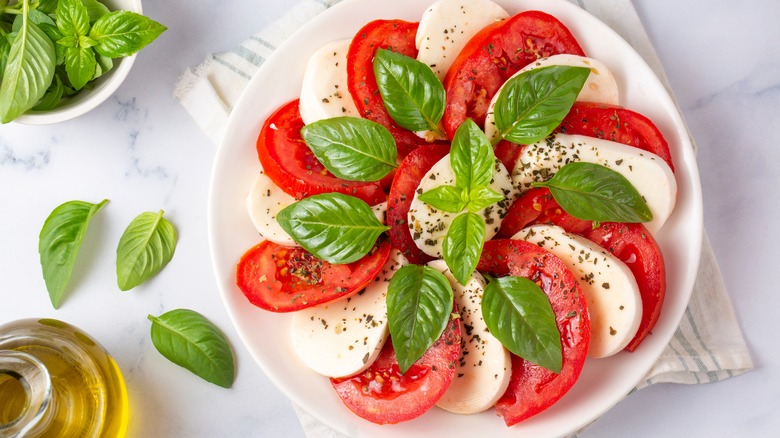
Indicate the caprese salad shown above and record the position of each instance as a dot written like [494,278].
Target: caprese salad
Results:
[457,212]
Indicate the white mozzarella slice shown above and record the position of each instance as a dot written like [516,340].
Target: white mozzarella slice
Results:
[447,25]
[429,225]
[380,211]
[614,302]
[264,201]
[485,366]
[324,92]
[343,338]
[600,86]
[647,172]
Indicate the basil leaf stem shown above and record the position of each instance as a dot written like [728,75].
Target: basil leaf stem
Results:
[145,248]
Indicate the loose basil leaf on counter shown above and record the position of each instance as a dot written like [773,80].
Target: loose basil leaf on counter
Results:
[446,198]
[146,246]
[593,192]
[518,313]
[334,227]
[188,339]
[413,95]
[352,148]
[471,157]
[532,104]
[122,33]
[59,243]
[419,303]
[462,245]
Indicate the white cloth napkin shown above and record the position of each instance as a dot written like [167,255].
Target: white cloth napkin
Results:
[708,345]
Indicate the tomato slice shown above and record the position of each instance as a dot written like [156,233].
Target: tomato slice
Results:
[289,162]
[407,178]
[383,395]
[637,248]
[537,206]
[616,124]
[283,279]
[398,36]
[532,388]
[493,55]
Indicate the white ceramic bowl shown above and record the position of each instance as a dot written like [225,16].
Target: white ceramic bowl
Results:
[87,99]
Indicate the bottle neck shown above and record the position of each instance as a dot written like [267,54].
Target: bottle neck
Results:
[26,389]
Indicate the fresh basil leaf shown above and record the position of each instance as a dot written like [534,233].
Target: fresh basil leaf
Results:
[334,227]
[122,33]
[69,41]
[95,9]
[40,18]
[593,192]
[59,243]
[52,97]
[28,72]
[518,313]
[471,157]
[352,148]
[55,35]
[80,64]
[48,6]
[146,246]
[190,340]
[446,198]
[104,65]
[532,104]
[419,303]
[5,47]
[72,18]
[413,95]
[482,197]
[462,245]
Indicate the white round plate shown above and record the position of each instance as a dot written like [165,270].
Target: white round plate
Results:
[603,383]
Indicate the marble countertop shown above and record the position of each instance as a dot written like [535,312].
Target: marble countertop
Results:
[142,151]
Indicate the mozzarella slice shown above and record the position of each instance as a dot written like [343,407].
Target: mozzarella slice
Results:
[648,173]
[324,92]
[614,302]
[484,366]
[343,338]
[600,86]
[429,225]
[264,201]
[447,25]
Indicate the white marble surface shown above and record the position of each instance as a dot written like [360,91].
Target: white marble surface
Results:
[141,150]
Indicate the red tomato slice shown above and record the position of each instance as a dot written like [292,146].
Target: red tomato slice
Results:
[532,388]
[283,279]
[407,178]
[616,124]
[637,248]
[289,162]
[396,35]
[493,55]
[382,395]
[537,206]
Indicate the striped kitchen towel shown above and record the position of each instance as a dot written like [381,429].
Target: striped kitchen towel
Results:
[708,345]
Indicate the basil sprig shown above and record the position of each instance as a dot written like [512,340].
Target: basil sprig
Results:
[518,313]
[352,148]
[419,303]
[532,104]
[597,193]
[188,339]
[334,227]
[413,95]
[146,246]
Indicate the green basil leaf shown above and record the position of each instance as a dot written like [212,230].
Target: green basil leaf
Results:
[413,95]
[55,35]
[518,313]
[593,192]
[188,339]
[334,227]
[122,33]
[95,9]
[352,148]
[482,197]
[104,65]
[462,245]
[52,97]
[72,18]
[48,6]
[28,72]
[40,18]
[471,157]
[59,243]
[419,303]
[80,64]
[532,104]
[446,198]
[146,246]
[5,47]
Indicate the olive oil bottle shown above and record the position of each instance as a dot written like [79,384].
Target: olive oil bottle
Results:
[56,381]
